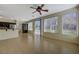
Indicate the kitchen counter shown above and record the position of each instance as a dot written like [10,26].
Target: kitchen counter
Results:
[8,34]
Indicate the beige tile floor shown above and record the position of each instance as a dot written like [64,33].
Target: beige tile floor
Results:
[34,44]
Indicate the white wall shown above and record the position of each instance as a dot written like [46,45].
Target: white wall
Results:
[6,20]
[9,34]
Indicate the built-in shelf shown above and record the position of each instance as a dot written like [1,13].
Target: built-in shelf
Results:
[7,25]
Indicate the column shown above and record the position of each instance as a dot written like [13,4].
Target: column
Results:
[59,27]
[78,22]
[33,23]
[77,13]
[42,27]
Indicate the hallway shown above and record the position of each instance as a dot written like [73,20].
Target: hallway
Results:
[27,43]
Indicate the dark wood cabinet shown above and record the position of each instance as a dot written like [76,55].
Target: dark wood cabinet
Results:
[25,28]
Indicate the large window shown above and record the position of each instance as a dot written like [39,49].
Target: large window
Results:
[37,26]
[69,23]
[50,25]
[53,24]
[46,25]
[30,26]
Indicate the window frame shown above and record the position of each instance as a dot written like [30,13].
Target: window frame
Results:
[75,24]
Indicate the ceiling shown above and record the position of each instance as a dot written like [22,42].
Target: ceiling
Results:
[24,12]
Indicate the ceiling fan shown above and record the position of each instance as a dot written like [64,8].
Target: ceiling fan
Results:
[39,9]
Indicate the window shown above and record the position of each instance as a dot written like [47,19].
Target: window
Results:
[46,25]
[69,23]
[50,25]
[53,24]
[37,26]
[30,26]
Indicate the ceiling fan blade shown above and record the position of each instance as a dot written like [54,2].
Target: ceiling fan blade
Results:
[42,5]
[45,10]
[34,12]
[32,7]
[40,12]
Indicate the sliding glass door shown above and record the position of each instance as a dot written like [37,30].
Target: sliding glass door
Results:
[37,26]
